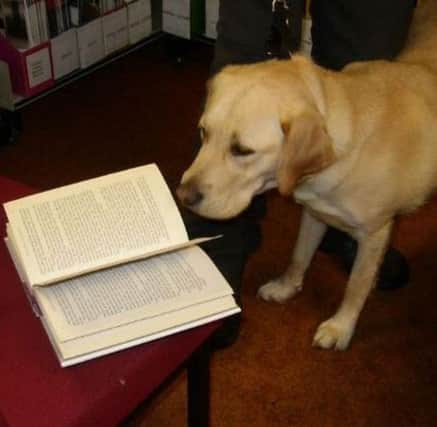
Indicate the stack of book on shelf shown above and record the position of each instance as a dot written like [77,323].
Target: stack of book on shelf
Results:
[24,44]
[25,21]
[107,264]
[45,40]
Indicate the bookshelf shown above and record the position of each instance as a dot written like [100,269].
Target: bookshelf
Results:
[185,19]
[22,101]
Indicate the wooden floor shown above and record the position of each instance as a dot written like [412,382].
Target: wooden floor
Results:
[144,109]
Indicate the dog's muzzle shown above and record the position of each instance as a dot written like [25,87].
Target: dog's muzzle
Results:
[189,194]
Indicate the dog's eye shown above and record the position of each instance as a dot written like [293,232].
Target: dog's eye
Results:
[241,150]
[202,133]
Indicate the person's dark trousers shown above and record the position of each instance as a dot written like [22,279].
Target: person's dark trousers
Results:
[344,31]
[241,236]
[243,29]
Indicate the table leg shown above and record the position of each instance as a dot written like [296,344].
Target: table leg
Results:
[10,126]
[199,386]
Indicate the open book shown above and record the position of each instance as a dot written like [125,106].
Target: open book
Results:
[107,264]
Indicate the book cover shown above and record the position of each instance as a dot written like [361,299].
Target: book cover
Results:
[65,53]
[115,30]
[90,43]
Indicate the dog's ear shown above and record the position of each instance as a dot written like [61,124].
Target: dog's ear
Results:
[307,149]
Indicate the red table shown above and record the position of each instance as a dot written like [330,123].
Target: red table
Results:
[36,391]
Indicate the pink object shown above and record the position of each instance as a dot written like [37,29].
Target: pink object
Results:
[24,66]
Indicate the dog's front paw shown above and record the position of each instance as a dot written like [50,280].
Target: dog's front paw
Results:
[278,290]
[333,334]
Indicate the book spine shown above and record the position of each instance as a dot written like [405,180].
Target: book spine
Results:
[74,12]
[44,22]
[67,16]
[59,18]
[33,30]
[28,20]
[37,6]
[51,18]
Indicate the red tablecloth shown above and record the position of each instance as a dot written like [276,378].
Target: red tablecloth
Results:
[35,391]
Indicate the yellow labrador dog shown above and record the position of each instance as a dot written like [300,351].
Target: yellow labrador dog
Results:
[356,148]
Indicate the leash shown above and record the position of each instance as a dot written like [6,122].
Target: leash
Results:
[286,31]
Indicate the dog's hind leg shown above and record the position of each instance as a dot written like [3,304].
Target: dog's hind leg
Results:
[337,331]
[311,232]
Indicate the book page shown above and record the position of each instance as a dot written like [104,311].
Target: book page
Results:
[95,223]
[140,290]
[144,330]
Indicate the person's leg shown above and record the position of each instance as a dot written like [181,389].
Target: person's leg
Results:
[243,29]
[242,32]
[254,30]
[241,237]
[344,31]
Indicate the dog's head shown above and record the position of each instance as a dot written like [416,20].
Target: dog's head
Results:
[260,129]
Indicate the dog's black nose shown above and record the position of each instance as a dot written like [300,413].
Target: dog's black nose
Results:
[189,195]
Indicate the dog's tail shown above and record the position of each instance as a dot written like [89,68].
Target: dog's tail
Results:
[421,46]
